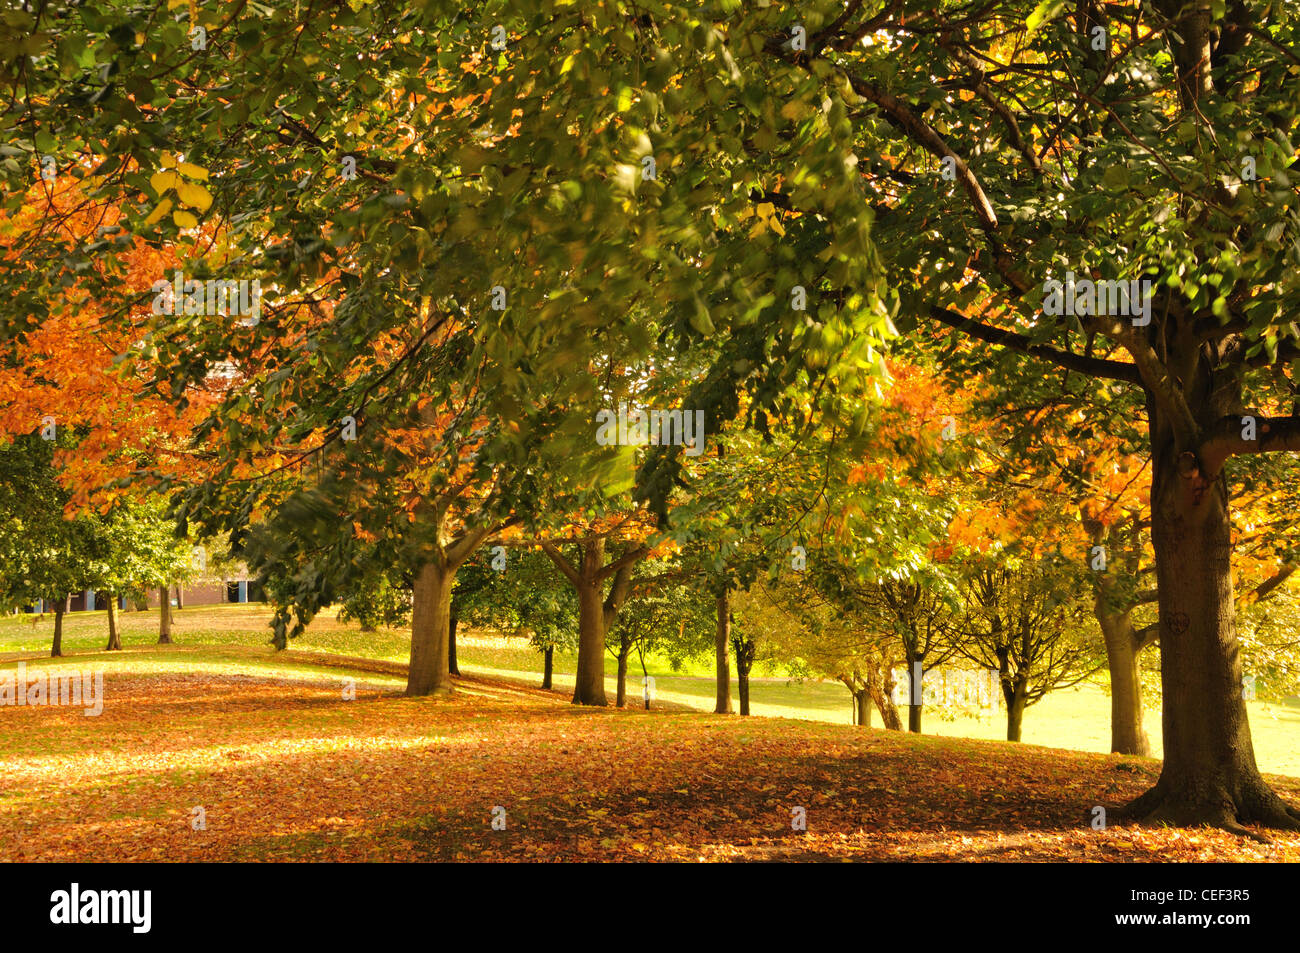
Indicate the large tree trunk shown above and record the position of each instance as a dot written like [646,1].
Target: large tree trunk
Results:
[589,682]
[1209,774]
[164,617]
[430,625]
[721,650]
[1127,734]
[114,637]
[453,667]
[56,651]
[548,666]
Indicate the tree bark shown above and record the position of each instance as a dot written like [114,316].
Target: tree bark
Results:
[914,694]
[180,596]
[621,696]
[164,617]
[548,656]
[589,681]
[863,701]
[430,624]
[1127,734]
[1209,775]
[880,685]
[742,684]
[721,648]
[56,651]
[453,667]
[114,637]
[1015,713]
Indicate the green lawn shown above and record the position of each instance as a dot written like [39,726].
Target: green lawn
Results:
[1075,718]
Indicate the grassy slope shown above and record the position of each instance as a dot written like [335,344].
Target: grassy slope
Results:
[1076,718]
[286,769]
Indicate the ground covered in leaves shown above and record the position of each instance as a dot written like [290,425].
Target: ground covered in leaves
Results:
[284,768]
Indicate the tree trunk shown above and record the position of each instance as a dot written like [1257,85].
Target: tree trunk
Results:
[880,685]
[180,596]
[164,617]
[1127,734]
[56,651]
[722,669]
[430,627]
[863,701]
[621,698]
[1015,713]
[453,667]
[914,694]
[1209,774]
[589,682]
[547,666]
[742,683]
[114,637]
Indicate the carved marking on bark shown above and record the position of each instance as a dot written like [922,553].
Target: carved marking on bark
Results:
[1189,468]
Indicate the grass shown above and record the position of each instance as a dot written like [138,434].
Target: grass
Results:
[234,639]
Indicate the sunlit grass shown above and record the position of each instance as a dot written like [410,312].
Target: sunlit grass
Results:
[235,639]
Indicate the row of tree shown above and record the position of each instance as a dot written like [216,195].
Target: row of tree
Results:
[479,229]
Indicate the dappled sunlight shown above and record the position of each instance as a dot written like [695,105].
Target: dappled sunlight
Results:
[284,768]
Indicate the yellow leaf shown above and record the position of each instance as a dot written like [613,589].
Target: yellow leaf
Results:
[195,196]
[163,208]
[194,171]
[160,182]
[184,219]
[167,161]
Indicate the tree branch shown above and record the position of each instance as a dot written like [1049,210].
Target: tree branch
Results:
[1092,366]
[1226,439]
[565,567]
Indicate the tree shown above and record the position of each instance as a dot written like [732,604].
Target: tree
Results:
[1031,145]
[142,551]
[810,632]
[395,291]
[1022,621]
[525,595]
[43,554]
[598,606]
[663,615]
